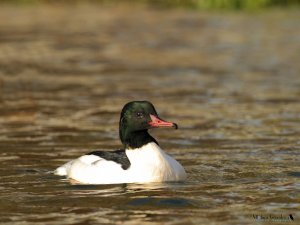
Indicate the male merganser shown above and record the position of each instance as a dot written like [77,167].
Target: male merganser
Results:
[140,161]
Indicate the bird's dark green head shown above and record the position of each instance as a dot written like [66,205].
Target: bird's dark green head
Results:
[136,118]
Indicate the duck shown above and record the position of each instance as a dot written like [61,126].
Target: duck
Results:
[140,160]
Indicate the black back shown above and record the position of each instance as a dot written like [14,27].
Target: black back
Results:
[118,156]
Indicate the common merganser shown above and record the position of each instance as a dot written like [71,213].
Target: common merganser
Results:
[140,161]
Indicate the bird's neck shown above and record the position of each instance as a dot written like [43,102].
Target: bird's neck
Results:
[135,139]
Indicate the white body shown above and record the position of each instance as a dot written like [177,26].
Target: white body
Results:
[148,164]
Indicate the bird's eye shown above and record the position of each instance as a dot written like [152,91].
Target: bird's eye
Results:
[140,115]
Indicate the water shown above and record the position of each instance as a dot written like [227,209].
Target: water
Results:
[230,81]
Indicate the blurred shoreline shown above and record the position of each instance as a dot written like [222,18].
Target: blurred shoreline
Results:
[201,5]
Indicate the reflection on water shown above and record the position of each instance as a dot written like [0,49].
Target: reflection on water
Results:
[231,82]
